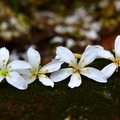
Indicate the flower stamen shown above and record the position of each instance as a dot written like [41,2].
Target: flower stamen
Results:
[78,56]
[4,72]
[117,61]
[76,69]
[35,72]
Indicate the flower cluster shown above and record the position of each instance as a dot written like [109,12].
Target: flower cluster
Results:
[20,73]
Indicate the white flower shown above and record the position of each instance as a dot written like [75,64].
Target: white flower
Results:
[110,69]
[75,69]
[37,71]
[10,71]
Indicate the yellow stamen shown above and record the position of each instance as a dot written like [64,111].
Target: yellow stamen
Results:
[3,60]
[109,58]
[77,55]
[30,76]
[4,72]
[87,69]
[78,77]
[117,61]
[76,68]
[83,60]
[46,77]
[10,66]
[38,63]
[71,61]
[117,70]
[46,70]
[113,50]
[68,71]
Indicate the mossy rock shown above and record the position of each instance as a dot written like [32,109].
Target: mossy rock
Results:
[90,101]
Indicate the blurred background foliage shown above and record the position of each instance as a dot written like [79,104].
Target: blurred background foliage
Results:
[49,23]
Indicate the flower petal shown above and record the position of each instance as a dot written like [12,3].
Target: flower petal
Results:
[51,66]
[75,80]
[23,71]
[57,58]
[16,80]
[117,46]
[89,55]
[109,69]
[61,74]
[66,55]
[94,74]
[19,64]
[46,81]
[4,56]
[105,54]
[28,78]
[1,78]
[33,57]
[95,46]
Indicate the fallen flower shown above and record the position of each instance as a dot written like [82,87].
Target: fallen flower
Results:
[110,69]
[10,71]
[75,69]
[37,71]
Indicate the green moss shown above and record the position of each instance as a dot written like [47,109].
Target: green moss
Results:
[90,101]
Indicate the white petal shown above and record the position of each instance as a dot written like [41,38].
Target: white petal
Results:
[4,56]
[89,55]
[117,46]
[66,55]
[51,66]
[75,80]
[33,57]
[109,69]
[61,74]
[23,71]
[1,78]
[28,78]
[19,64]
[57,58]
[16,80]
[94,74]
[46,81]
[105,54]
[95,46]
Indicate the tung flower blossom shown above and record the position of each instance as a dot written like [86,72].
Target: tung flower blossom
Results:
[10,71]
[76,68]
[110,69]
[37,71]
